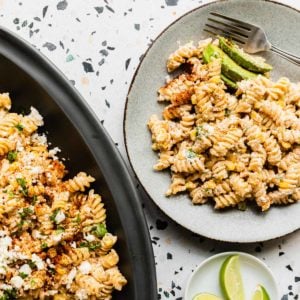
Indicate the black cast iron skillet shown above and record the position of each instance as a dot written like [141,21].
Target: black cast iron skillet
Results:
[70,124]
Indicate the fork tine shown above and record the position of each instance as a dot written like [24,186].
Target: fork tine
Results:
[238,23]
[233,28]
[228,33]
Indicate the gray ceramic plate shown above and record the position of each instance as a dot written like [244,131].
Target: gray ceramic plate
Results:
[281,24]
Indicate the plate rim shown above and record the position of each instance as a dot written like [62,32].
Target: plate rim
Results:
[229,253]
[144,55]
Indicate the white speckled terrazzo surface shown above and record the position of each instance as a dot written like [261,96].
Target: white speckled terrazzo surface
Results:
[98,44]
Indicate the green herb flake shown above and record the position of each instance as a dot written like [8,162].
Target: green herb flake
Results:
[51,271]
[92,246]
[44,245]
[190,154]
[26,212]
[77,219]
[34,199]
[201,131]
[32,264]
[54,214]
[20,127]
[99,230]
[59,230]
[23,275]
[9,294]
[11,194]
[12,156]
[22,183]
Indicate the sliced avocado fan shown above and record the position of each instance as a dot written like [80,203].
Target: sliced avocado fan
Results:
[249,62]
[230,69]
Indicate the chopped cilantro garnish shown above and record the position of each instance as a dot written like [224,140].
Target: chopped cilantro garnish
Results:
[59,229]
[11,194]
[99,230]
[201,131]
[22,183]
[190,154]
[77,219]
[32,264]
[26,212]
[20,127]
[34,199]
[54,214]
[12,156]
[51,271]
[23,275]
[44,245]
[9,294]
[91,245]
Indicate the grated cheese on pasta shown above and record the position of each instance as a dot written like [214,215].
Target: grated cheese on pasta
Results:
[51,241]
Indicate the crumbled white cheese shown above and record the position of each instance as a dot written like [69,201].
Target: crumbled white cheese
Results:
[51,292]
[60,217]
[38,261]
[4,286]
[35,170]
[73,244]
[81,294]
[19,146]
[71,277]
[35,115]
[17,282]
[85,267]
[25,269]
[37,234]
[57,237]
[53,152]
[89,237]
[40,139]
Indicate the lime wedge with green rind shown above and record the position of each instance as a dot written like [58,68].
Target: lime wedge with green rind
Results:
[206,296]
[260,294]
[231,280]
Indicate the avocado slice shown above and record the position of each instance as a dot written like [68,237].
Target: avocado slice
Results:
[228,82]
[230,69]
[249,62]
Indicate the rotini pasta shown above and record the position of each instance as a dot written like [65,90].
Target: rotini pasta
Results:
[54,243]
[228,148]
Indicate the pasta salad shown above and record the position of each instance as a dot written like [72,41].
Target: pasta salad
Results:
[54,243]
[225,146]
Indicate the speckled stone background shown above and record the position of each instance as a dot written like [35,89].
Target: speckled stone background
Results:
[98,45]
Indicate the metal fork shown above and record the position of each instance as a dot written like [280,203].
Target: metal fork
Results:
[252,37]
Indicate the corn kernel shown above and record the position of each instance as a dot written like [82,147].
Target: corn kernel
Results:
[210,185]
[284,185]
[193,135]
[230,165]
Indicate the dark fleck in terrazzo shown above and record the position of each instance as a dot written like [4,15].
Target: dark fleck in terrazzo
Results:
[62,5]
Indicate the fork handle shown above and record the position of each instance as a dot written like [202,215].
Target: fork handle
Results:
[289,56]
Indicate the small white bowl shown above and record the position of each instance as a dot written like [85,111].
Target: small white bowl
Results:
[205,279]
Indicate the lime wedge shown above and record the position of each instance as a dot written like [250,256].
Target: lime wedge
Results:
[260,294]
[205,296]
[231,279]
